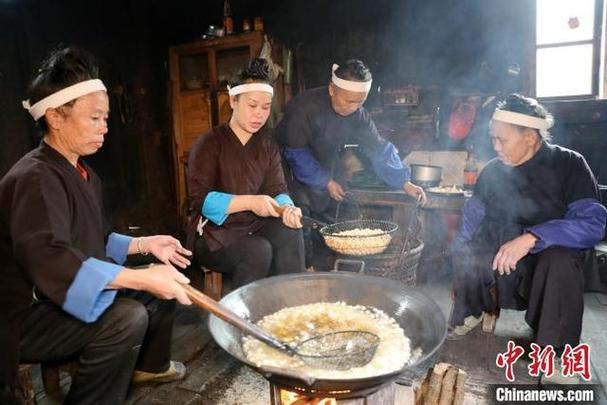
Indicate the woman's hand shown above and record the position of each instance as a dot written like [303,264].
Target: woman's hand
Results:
[263,205]
[166,249]
[511,252]
[291,217]
[335,191]
[165,282]
[415,191]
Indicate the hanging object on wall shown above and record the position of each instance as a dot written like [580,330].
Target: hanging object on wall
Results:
[461,120]
[573,22]
[266,53]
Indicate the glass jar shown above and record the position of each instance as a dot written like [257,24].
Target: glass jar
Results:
[246,25]
[258,23]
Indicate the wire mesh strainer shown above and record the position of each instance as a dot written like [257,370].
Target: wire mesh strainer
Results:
[333,351]
[339,350]
[359,237]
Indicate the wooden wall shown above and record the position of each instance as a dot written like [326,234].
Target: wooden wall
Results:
[135,160]
[448,47]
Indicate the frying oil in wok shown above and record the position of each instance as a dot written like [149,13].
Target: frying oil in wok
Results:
[296,324]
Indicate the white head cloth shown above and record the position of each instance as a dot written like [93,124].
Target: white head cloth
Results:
[63,96]
[522,120]
[248,87]
[359,87]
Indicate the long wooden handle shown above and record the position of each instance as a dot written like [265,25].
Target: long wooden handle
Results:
[203,301]
[306,221]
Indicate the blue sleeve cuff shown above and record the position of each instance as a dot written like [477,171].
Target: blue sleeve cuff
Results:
[283,199]
[306,168]
[582,228]
[215,206]
[473,214]
[117,247]
[389,167]
[87,298]
[540,244]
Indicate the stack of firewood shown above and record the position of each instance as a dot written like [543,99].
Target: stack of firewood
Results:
[443,385]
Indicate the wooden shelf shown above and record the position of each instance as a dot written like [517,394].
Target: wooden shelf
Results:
[194,111]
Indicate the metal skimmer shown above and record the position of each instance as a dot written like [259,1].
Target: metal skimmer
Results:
[333,351]
[339,350]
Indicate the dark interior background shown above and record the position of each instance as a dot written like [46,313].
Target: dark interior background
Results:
[450,48]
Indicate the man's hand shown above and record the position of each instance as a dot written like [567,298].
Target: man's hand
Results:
[335,191]
[415,191]
[166,249]
[291,217]
[511,252]
[263,206]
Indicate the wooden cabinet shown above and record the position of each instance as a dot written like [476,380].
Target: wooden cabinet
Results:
[199,73]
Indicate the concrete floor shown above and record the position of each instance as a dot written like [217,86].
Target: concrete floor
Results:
[214,377]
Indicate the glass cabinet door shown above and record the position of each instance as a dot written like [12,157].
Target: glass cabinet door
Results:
[230,62]
[194,72]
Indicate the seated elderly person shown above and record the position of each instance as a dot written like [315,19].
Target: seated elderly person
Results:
[534,212]
[61,271]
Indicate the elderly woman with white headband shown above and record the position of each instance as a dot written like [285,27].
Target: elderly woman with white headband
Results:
[534,211]
[316,125]
[236,183]
[61,270]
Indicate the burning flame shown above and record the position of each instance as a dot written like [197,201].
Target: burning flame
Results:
[293,398]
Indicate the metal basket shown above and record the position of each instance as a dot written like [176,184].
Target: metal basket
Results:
[395,263]
[401,259]
[359,244]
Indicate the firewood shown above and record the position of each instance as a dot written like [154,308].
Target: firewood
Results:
[421,389]
[435,384]
[448,387]
[460,384]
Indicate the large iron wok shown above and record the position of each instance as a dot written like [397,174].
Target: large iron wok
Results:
[419,316]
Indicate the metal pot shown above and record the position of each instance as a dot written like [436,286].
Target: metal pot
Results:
[419,316]
[426,175]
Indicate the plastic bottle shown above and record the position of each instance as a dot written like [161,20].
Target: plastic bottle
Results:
[228,21]
[470,171]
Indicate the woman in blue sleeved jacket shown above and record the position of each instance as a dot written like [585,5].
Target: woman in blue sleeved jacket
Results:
[65,293]
[534,212]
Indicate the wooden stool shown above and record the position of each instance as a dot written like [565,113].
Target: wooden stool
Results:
[212,283]
[50,379]
[25,383]
[51,375]
[490,318]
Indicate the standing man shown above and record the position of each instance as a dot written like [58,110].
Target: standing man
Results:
[316,124]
